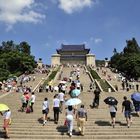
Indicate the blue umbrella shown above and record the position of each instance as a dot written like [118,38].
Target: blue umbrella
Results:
[75,92]
[136,96]
[76,81]
[73,101]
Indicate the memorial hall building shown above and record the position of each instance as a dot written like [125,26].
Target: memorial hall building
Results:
[73,54]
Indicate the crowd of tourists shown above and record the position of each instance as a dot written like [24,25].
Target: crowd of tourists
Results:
[122,83]
[27,101]
[62,94]
[59,100]
[43,70]
[72,112]
[18,84]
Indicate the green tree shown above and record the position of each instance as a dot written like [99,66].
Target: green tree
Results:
[115,51]
[8,46]
[106,59]
[100,63]
[15,59]
[3,74]
[132,47]
[128,61]
[25,47]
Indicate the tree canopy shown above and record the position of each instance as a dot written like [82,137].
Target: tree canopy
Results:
[128,61]
[15,59]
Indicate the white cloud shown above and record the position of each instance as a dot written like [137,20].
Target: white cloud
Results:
[95,40]
[70,6]
[98,40]
[54,1]
[91,39]
[86,43]
[59,42]
[13,11]
[48,45]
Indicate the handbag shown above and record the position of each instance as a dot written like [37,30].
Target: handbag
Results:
[46,110]
[28,110]
[65,122]
[132,108]
[10,121]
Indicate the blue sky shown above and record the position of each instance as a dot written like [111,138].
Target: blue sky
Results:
[45,24]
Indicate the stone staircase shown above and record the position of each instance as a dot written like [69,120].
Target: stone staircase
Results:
[114,79]
[29,126]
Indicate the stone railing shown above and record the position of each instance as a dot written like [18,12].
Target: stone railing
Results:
[42,81]
[104,82]
[58,74]
[93,80]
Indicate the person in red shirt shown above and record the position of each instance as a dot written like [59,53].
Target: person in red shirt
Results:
[27,98]
[72,87]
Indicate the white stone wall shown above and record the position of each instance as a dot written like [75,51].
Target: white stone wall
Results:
[39,65]
[90,60]
[55,60]
[106,63]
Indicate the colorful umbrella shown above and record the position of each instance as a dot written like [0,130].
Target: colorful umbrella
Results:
[51,82]
[3,107]
[75,93]
[62,82]
[73,101]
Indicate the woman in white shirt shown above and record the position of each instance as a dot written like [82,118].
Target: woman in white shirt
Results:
[61,96]
[45,110]
[32,101]
[113,110]
[7,118]
[69,119]
[56,109]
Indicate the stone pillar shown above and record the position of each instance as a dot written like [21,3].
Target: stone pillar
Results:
[90,60]
[55,60]
[40,64]
[106,63]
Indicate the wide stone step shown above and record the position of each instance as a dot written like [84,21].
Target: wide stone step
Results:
[64,129]
[61,136]
[75,126]
[57,132]
[94,115]
[104,120]
[51,123]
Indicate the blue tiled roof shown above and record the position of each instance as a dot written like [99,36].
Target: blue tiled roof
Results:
[73,47]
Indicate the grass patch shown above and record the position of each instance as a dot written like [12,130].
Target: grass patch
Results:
[103,83]
[93,73]
[51,77]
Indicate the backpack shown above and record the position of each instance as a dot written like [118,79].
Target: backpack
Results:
[10,121]
[28,110]
[132,107]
